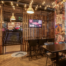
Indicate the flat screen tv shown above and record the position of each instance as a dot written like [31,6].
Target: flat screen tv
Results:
[35,23]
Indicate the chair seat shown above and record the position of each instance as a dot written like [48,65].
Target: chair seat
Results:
[53,56]
[62,62]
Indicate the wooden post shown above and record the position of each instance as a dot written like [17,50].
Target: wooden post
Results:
[1,30]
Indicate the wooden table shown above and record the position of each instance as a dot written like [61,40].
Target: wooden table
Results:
[55,48]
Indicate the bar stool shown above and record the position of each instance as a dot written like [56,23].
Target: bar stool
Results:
[32,48]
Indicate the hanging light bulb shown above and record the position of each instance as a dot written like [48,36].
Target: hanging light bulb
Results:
[43,3]
[45,8]
[30,9]
[31,1]
[13,7]
[12,17]
[25,5]
[12,23]
[40,6]
[57,5]
[2,2]
[12,3]
[62,2]
[17,4]
[3,22]
[49,5]
[35,8]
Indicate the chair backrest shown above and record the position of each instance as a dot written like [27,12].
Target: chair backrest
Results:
[32,42]
[50,40]
[42,41]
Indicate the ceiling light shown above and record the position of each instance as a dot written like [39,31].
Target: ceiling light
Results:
[12,23]
[3,22]
[35,8]
[49,6]
[57,5]
[12,3]
[25,5]
[13,7]
[43,3]
[45,8]
[2,1]
[62,2]
[30,10]
[16,4]
[12,17]
[53,3]
[31,1]
[40,6]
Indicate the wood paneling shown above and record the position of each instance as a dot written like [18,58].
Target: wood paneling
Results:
[1,40]
[1,49]
[34,33]
[1,19]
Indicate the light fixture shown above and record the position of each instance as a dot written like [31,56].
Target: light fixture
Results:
[12,23]
[40,6]
[45,8]
[30,9]
[0,6]
[57,5]
[13,7]
[53,3]
[17,4]
[36,7]
[49,6]
[43,3]
[12,3]
[2,2]
[25,5]
[12,17]
[62,2]
[3,22]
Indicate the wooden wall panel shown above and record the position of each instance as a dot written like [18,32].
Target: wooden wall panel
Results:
[1,40]
[1,19]
[34,33]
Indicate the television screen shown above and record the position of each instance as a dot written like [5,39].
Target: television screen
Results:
[35,23]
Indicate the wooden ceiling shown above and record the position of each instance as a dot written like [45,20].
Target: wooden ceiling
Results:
[37,2]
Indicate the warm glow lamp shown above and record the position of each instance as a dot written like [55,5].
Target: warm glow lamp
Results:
[12,17]
[30,10]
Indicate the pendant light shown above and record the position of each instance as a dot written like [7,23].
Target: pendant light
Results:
[12,17]
[30,9]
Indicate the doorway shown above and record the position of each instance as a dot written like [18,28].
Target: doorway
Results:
[12,37]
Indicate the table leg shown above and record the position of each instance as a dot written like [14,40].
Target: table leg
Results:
[57,57]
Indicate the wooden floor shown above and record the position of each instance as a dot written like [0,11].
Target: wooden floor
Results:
[11,48]
[7,60]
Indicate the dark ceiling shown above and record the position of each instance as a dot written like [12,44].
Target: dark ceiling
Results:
[38,2]
[35,3]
